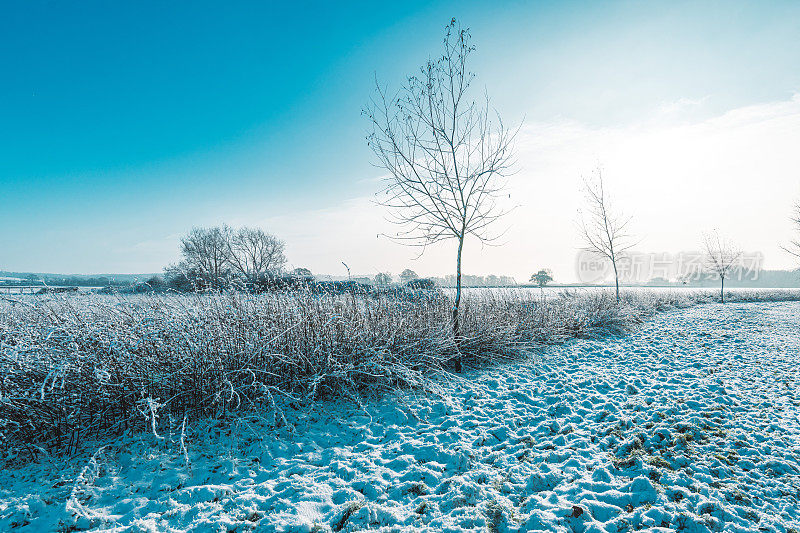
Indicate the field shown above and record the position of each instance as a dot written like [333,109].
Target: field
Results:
[341,413]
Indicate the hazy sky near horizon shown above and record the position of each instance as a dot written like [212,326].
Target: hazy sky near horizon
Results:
[125,125]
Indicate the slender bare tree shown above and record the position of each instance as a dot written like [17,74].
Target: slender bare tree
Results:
[721,257]
[604,231]
[794,245]
[206,250]
[252,252]
[445,154]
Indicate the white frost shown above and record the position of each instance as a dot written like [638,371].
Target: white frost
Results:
[690,423]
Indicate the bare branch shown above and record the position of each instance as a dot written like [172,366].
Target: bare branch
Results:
[445,156]
[793,247]
[443,153]
[603,230]
[253,252]
[721,254]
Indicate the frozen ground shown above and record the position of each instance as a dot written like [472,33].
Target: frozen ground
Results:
[690,423]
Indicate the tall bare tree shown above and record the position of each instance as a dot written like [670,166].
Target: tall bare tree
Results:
[603,229]
[445,154]
[721,257]
[206,250]
[252,252]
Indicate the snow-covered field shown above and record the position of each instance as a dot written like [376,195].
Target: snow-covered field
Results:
[690,423]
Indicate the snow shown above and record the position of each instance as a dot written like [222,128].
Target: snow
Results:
[689,423]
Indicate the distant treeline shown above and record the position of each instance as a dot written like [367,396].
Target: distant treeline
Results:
[185,281]
[274,283]
[468,280]
[71,280]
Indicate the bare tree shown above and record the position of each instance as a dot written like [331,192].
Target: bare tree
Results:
[408,275]
[206,250]
[794,245]
[604,231]
[444,153]
[252,252]
[383,279]
[721,257]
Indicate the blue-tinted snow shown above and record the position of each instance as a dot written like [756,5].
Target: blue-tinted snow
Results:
[690,423]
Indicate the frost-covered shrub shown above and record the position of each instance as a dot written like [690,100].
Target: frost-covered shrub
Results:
[78,366]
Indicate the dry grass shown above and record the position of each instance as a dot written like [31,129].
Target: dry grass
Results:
[79,366]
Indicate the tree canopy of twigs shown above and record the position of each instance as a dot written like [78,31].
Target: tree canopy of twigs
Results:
[721,257]
[206,250]
[604,230]
[217,253]
[253,252]
[445,154]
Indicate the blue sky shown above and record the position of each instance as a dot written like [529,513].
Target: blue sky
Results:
[123,125]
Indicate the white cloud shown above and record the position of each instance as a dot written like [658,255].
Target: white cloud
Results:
[680,108]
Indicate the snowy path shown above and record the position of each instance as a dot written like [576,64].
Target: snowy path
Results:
[691,423]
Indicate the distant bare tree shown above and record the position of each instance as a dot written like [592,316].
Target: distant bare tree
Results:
[794,245]
[206,250]
[443,152]
[408,275]
[605,231]
[383,278]
[721,258]
[253,252]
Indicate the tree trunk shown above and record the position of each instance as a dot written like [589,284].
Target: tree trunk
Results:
[722,290]
[458,288]
[616,278]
